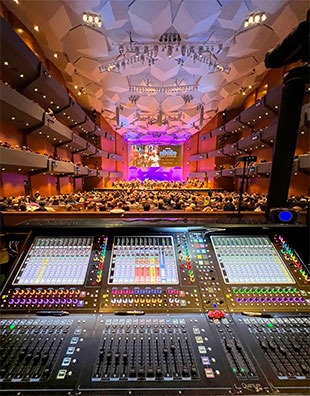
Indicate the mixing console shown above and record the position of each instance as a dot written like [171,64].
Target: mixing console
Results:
[163,311]
[249,260]
[57,273]
[55,261]
[143,260]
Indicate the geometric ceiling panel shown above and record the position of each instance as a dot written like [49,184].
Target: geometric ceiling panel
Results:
[82,49]
[196,69]
[211,81]
[150,18]
[196,17]
[148,103]
[233,15]
[88,41]
[135,68]
[115,82]
[285,23]
[114,15]
[163,70]
[241,67]
[270,6]
[112,96]
[260,38]
[172,103]
[89,68]
[79,6]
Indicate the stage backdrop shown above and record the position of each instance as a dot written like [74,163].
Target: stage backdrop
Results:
[158,162]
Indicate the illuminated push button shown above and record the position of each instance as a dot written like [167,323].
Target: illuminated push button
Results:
[252,291]
[273,299]
[235,291]
[238,300]
[296,290]
[290,299]
[284,299]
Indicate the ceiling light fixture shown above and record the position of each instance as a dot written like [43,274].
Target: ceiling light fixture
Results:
[36,28]
[167,90]
[255,19]
[55,55]
[92,19]
[205,53]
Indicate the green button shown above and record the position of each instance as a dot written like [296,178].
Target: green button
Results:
[291,291]
[262,290]
[247,291]
[252,291]
[280,291]
[234,370]
[270,324]
[235,291]
[284,290]
[12,326]
[296,290]
[257,290]
[268,290]
[241,290]
[274,290]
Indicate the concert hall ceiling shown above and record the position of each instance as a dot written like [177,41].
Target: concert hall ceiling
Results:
[159,67]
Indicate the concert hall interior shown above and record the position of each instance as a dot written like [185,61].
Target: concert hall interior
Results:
[154,197]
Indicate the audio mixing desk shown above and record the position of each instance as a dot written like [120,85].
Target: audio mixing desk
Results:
[145,311]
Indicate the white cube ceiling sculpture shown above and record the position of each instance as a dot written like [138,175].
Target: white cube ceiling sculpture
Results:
[114,15]
[88,68]
[115,82]
[233,15]
[150,18]
[88,41]
[172,103]
[80,50]
[148,103]
[163,70]
[196,16]
[260,38]
[285,23]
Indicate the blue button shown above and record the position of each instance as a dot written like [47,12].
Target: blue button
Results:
[214,305]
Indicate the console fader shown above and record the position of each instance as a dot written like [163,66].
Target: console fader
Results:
[216,312]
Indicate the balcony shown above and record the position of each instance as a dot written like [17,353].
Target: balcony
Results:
[228,172]
[304,163]
[92,173]
[264,168]
[47,91]
[115,157]
[251,142]
[90,150]
[71,115]
[52,130]
[214,173]
[81,171]
[216,153]
[61,168]
[235,125]
[102,174]
[19,65]
[19,161]
[268,134]
[231,149]
[116,174]
[272,100]
[197,175]
[17,110]
[85,127]
[198,157]
[76,144]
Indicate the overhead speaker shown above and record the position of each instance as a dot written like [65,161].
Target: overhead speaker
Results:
[283,215]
